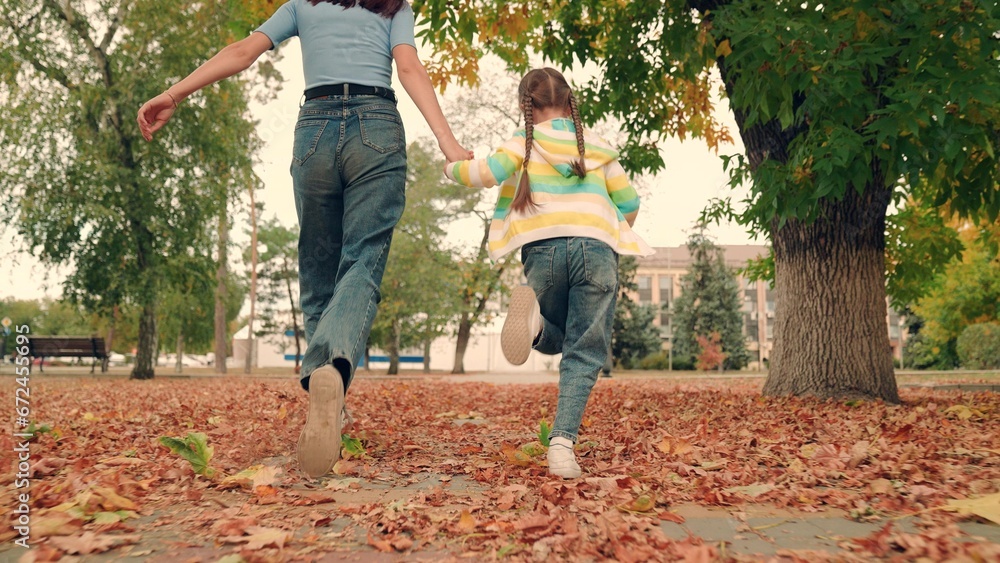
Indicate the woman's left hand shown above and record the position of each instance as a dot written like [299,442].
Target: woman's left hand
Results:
[154,114]
[454,152]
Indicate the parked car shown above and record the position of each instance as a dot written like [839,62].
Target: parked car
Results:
[116,359]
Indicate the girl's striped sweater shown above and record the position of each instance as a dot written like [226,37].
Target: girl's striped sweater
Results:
[568,206]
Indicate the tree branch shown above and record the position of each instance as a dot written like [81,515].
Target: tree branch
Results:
[52,73]
[703,6]
[66,13]
[109,35]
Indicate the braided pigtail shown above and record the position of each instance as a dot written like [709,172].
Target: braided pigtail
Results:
[580,166]
[522,198]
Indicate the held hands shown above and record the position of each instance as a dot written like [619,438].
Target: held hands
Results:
[155,113]
[454,152]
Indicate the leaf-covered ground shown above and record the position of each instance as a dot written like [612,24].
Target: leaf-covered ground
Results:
[102,482]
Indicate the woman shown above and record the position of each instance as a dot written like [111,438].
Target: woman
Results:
[348,173]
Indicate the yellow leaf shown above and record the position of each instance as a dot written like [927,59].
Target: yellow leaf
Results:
[676,446]
[282,412]
[244,478]
[466,522]
[644,503]
[723,49]
[963,412]
[987,507]
[113,501]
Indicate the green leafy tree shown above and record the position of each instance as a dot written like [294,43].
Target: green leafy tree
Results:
[633,334]
[79,185]
[979,346]
[278,289]
[187,303]
[489,114]
[185,307]
[421,282]
[709,303]
[966,293]
[843,107]
[920,245]
[47,317]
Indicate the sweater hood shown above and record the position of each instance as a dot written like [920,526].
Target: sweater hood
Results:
[555,142]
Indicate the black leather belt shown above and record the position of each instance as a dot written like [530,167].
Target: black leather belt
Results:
[350,90]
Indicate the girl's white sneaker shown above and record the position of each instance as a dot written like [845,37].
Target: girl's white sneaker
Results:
[562,460]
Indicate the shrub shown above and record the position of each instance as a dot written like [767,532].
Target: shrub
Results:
[979,346]
[658,361]
[920,353]
[661,361]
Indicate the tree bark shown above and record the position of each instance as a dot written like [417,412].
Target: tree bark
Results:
[394,349]
[464,332]
[110,341]
[247,368]
[830,335]
[221,290]
[469,318]
[295,313]
[145,357]
[427,356]
[179,364]
[831,338]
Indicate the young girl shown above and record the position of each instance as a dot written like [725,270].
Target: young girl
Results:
[567,203]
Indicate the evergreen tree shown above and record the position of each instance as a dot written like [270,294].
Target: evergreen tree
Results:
[709,302]
[633,336]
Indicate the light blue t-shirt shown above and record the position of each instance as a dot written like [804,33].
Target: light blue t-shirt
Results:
[341,44]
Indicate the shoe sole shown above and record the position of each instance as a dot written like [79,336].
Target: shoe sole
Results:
[515,342]
[319,442]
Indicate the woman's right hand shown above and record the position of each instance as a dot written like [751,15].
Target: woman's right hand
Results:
[154,114]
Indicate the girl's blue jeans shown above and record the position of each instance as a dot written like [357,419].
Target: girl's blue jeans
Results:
[576,282]
[349,175]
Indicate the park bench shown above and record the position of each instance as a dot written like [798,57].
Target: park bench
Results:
[68,347]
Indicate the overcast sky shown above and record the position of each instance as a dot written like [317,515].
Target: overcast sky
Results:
[671,201]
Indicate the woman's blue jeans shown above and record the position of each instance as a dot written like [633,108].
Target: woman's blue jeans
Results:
[349,175]
[576,282]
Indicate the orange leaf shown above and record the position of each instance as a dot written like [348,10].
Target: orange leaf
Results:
[466,523]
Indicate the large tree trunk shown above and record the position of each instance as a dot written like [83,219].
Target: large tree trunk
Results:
[830,335]
[394,349]
[148,348]
[145,357]
[221,277]
[110,341]
[179,364]
[831,338]
[251,352]
[464,332]
[295,313]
